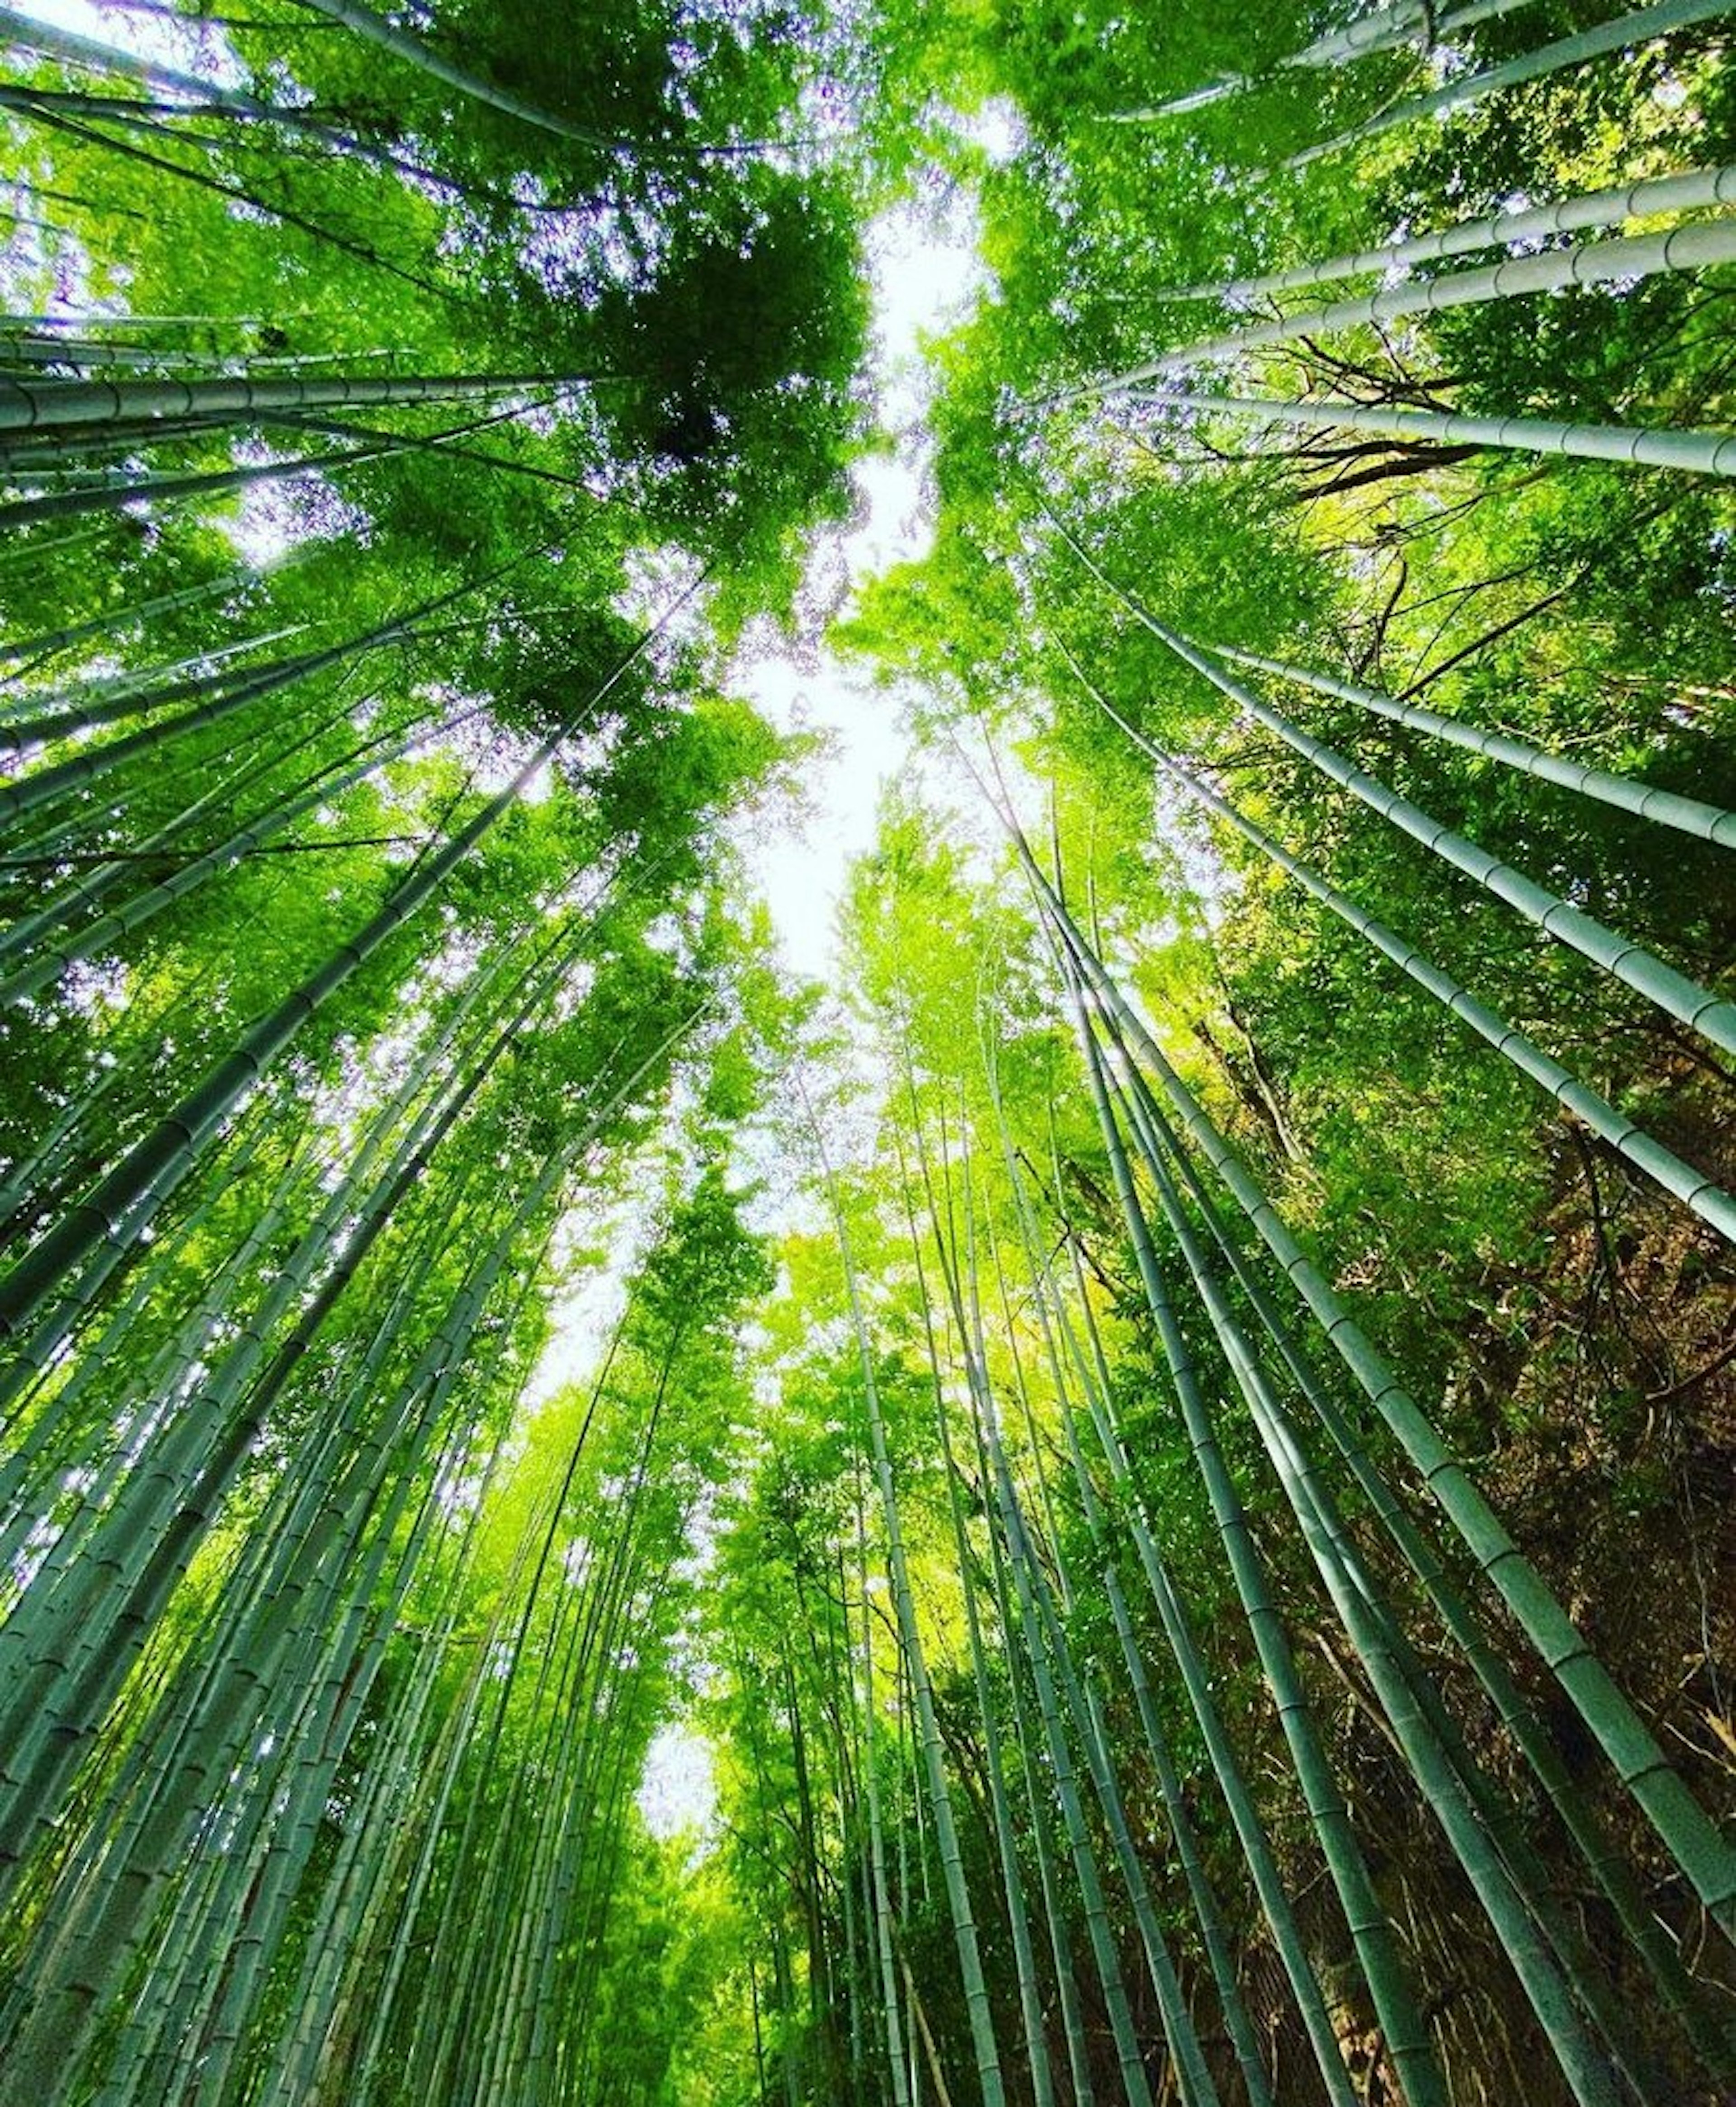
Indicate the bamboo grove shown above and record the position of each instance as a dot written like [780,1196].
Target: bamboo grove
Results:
[1165,1442]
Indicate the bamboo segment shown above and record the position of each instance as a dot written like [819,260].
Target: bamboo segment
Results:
[1384,29]
[1695,453]
[27,406]
[1665,808]
[1698,246]
[1689,191]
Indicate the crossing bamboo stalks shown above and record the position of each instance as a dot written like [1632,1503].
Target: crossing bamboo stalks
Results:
[49,963]
[30,652]
[1192,2077]
[1030,1996]
[1686,1999]
[1619,956]
[1208,1912]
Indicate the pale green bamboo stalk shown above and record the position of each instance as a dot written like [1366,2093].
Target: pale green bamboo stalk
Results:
[64,713]
[106,1612]
[1067,1988]
[890,2012]
[1710,1201]
[1641,26]
[1689,189]
[49,405]
[47,644]
[1386,28]
[402,44]
[1665,808]
[30,33]
[1698,246]
[1042,2082]
[1208,1915]
[50,961]
[1695,453]
[1226,1766]
[302,2067]
[965,1931]
[117,488]
[70,1435]
[96,1939]
[1188,2065]
[1063,1780]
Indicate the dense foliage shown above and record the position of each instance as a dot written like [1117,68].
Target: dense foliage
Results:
[1132,1502]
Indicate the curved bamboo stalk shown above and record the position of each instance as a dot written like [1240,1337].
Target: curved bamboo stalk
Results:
[1384,30]
[404,45]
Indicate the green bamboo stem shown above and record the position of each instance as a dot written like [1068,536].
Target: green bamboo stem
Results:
[1664,808]
[1689,189]
[1690,452]
[1407,2039]
[1680,1823]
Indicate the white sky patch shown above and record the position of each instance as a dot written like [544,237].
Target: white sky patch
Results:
[679,1791]
[926,276]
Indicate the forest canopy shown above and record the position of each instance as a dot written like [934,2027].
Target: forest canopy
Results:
[867,1004]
